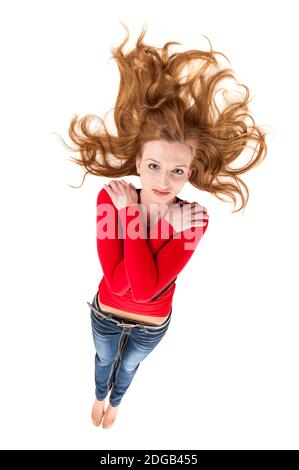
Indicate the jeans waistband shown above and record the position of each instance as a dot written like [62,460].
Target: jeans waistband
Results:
[123,321]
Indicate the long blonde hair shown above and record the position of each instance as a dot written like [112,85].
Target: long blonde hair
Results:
[155,103]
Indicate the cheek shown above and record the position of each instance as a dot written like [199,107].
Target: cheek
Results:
[148,175]
[179,184]
[145,174]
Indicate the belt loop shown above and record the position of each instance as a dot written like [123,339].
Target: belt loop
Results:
[127,325]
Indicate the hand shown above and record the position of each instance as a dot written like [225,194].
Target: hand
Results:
[121,193]
[182,217]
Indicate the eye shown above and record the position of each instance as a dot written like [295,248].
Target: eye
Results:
[179,169]
[152,164]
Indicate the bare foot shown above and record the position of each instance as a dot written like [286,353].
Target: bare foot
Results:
[97,412]
[109,416]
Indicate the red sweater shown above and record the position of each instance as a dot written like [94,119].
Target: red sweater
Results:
[137,269]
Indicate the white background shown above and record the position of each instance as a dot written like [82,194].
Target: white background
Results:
[226,374]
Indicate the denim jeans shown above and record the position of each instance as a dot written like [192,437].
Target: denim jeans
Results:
[121,344]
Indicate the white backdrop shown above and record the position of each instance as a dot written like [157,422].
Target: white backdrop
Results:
[226,374]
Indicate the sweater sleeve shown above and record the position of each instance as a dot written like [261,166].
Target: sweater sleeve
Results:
[148,275]
[109,245]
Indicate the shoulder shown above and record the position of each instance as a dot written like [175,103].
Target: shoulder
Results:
[104,197]
[104,203]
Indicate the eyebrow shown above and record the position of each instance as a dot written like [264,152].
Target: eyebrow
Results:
[159,162]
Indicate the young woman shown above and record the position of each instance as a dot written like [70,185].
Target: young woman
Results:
[169,131]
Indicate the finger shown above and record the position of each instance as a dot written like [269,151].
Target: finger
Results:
[191,206]
[118,185]
[124,183]
[201,216]
[196,204]
[200,209]
[201,219]
[130,185]
[200,223]
[199,205]
[107,187]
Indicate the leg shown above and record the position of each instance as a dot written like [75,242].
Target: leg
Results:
[107,338]
[139,345]
[122,343]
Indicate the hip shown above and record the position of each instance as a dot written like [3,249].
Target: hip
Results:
[99,313]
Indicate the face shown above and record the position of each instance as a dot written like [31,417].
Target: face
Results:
[164,166]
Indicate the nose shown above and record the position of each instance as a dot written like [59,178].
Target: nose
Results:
[163,183]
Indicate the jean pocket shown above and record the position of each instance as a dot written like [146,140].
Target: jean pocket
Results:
[99,321]
[102,326]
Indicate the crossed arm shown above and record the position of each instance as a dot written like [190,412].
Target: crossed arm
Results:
[129,262]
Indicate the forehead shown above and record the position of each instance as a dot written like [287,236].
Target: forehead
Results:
[173,153]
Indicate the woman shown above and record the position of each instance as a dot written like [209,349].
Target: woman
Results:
[169,131]
[138,271]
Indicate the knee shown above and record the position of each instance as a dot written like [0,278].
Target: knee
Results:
[129,367]
[104,361]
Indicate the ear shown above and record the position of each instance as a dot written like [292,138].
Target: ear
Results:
[190,173]
[138,162]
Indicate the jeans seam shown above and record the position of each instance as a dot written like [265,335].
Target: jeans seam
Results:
[118,350]
[117,371]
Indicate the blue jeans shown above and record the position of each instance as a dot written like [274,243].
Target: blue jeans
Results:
[121,344]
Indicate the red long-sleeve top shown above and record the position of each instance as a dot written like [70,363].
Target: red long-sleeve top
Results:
[138,261]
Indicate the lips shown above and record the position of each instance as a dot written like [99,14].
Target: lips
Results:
[161,193]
